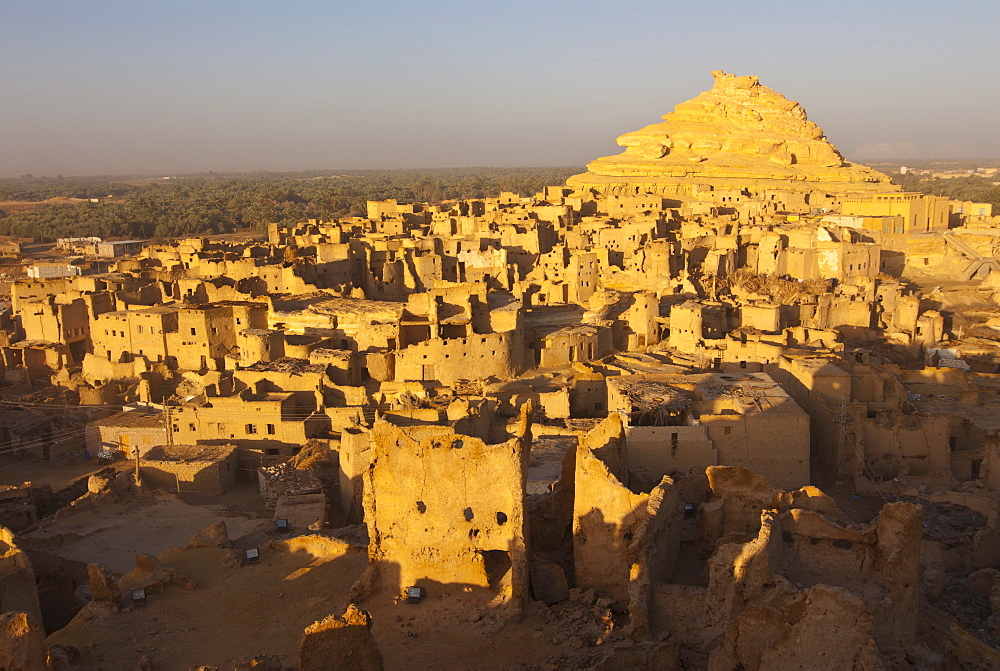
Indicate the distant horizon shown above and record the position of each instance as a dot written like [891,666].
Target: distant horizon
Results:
[119,87]
[162,174]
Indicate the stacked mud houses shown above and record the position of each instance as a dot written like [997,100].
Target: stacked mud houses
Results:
[625,389]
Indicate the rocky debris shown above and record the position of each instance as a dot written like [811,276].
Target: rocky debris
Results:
[232,558]
[22,646]
[261,662]
[104,586]
[287,480]
[584,617]
[344,642]
[951,524]
[548,581]
[627,655]
[969,610]
[149,574]
[110,485]
[214,536]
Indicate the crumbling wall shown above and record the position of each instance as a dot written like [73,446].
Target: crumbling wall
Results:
[203,469]
[479,355]
[898,532]
[818,628]
[913,444]
[22,642]
[740,495]
[447,508]
[355,458]
[809,544]
[762,621]
[738,573]
[17,581]
[622,541]
[344,642]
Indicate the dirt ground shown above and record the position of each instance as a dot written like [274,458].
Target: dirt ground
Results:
[259,609]
[58,473]
[114,534]
[452,632]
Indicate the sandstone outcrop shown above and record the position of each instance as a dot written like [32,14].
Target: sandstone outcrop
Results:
[740,134]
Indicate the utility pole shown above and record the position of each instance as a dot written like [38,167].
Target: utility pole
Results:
[170,425]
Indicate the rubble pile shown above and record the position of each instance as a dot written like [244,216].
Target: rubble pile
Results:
[287,480]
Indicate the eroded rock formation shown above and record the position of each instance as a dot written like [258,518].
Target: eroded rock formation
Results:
[738,134]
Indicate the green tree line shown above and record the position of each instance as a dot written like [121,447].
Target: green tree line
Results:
[976,188]
[223,203]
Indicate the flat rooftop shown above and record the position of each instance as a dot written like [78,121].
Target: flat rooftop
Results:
[132,418]
[705,393]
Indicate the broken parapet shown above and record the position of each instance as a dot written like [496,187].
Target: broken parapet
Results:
[344,642]
[444,508]
[622,540]
[740,495]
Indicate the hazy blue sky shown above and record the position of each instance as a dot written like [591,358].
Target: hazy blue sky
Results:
[90,87]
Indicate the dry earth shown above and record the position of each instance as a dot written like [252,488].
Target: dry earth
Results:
[113,534]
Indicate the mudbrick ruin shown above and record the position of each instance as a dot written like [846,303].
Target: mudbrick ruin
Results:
[723,401]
